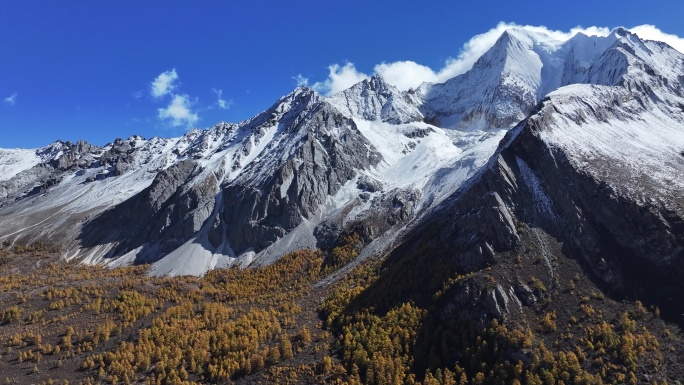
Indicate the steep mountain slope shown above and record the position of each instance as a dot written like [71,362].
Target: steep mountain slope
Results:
[554,263]
[592,174]
[371,160]
[520,223]
[510,78]
[373,99]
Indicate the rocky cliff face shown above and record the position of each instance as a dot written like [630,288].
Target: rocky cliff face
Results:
[576,142]
[374,99]
[52,161]
[591,176]
[158,219]
[276,194]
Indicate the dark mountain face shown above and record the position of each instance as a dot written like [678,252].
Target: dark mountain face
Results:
[315,150]
[591,158]
[328,150]
[509,224]
[571,181]
[158,218]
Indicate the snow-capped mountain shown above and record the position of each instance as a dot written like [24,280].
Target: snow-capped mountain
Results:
[373,99]
[370,159]
[593,173]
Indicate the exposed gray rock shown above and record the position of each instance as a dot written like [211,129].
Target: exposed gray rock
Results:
[386,211]
[59,158]
[216,233]
[418,132]
[525,294]
[633,246]
[280,170]
[79,155]
[374,99]
[164,215]
[119,157]
[366,183]
[501,300]
[325,150]
[26,183]
[477,302]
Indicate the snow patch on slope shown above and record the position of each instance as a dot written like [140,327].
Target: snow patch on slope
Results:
[542,200]
[14,161]
[430,159]
[641,151]
[432,139]
[194,257]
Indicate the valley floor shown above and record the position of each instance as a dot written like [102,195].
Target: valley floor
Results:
[385,322]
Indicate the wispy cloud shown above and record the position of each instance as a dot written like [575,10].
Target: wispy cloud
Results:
[164,83]
[179,112]
[300,80]
[409,74]
[12,99]
[339,78]
[651,32]
[220,102]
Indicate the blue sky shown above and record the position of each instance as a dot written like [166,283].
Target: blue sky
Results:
[85,69]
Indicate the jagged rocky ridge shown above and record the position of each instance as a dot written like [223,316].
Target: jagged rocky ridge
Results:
[589,175]
[590,159]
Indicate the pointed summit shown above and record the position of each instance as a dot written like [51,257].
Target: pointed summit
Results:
[620,32]
[309,166]
[501,88]
[378,85]
[375,99]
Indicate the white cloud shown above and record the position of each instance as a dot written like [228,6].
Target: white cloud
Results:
[651,32]
[179,112]
[164,83]
[479,44]
[300,80]
[12,99]
[409,74]
[220,102]
[405,74]
[339,79]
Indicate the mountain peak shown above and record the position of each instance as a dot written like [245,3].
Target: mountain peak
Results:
[621,31]
[303,91]
[375,84]
[378,83]
[373,99]
[453,126]
[300,98]
[550,164]
[514,33]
